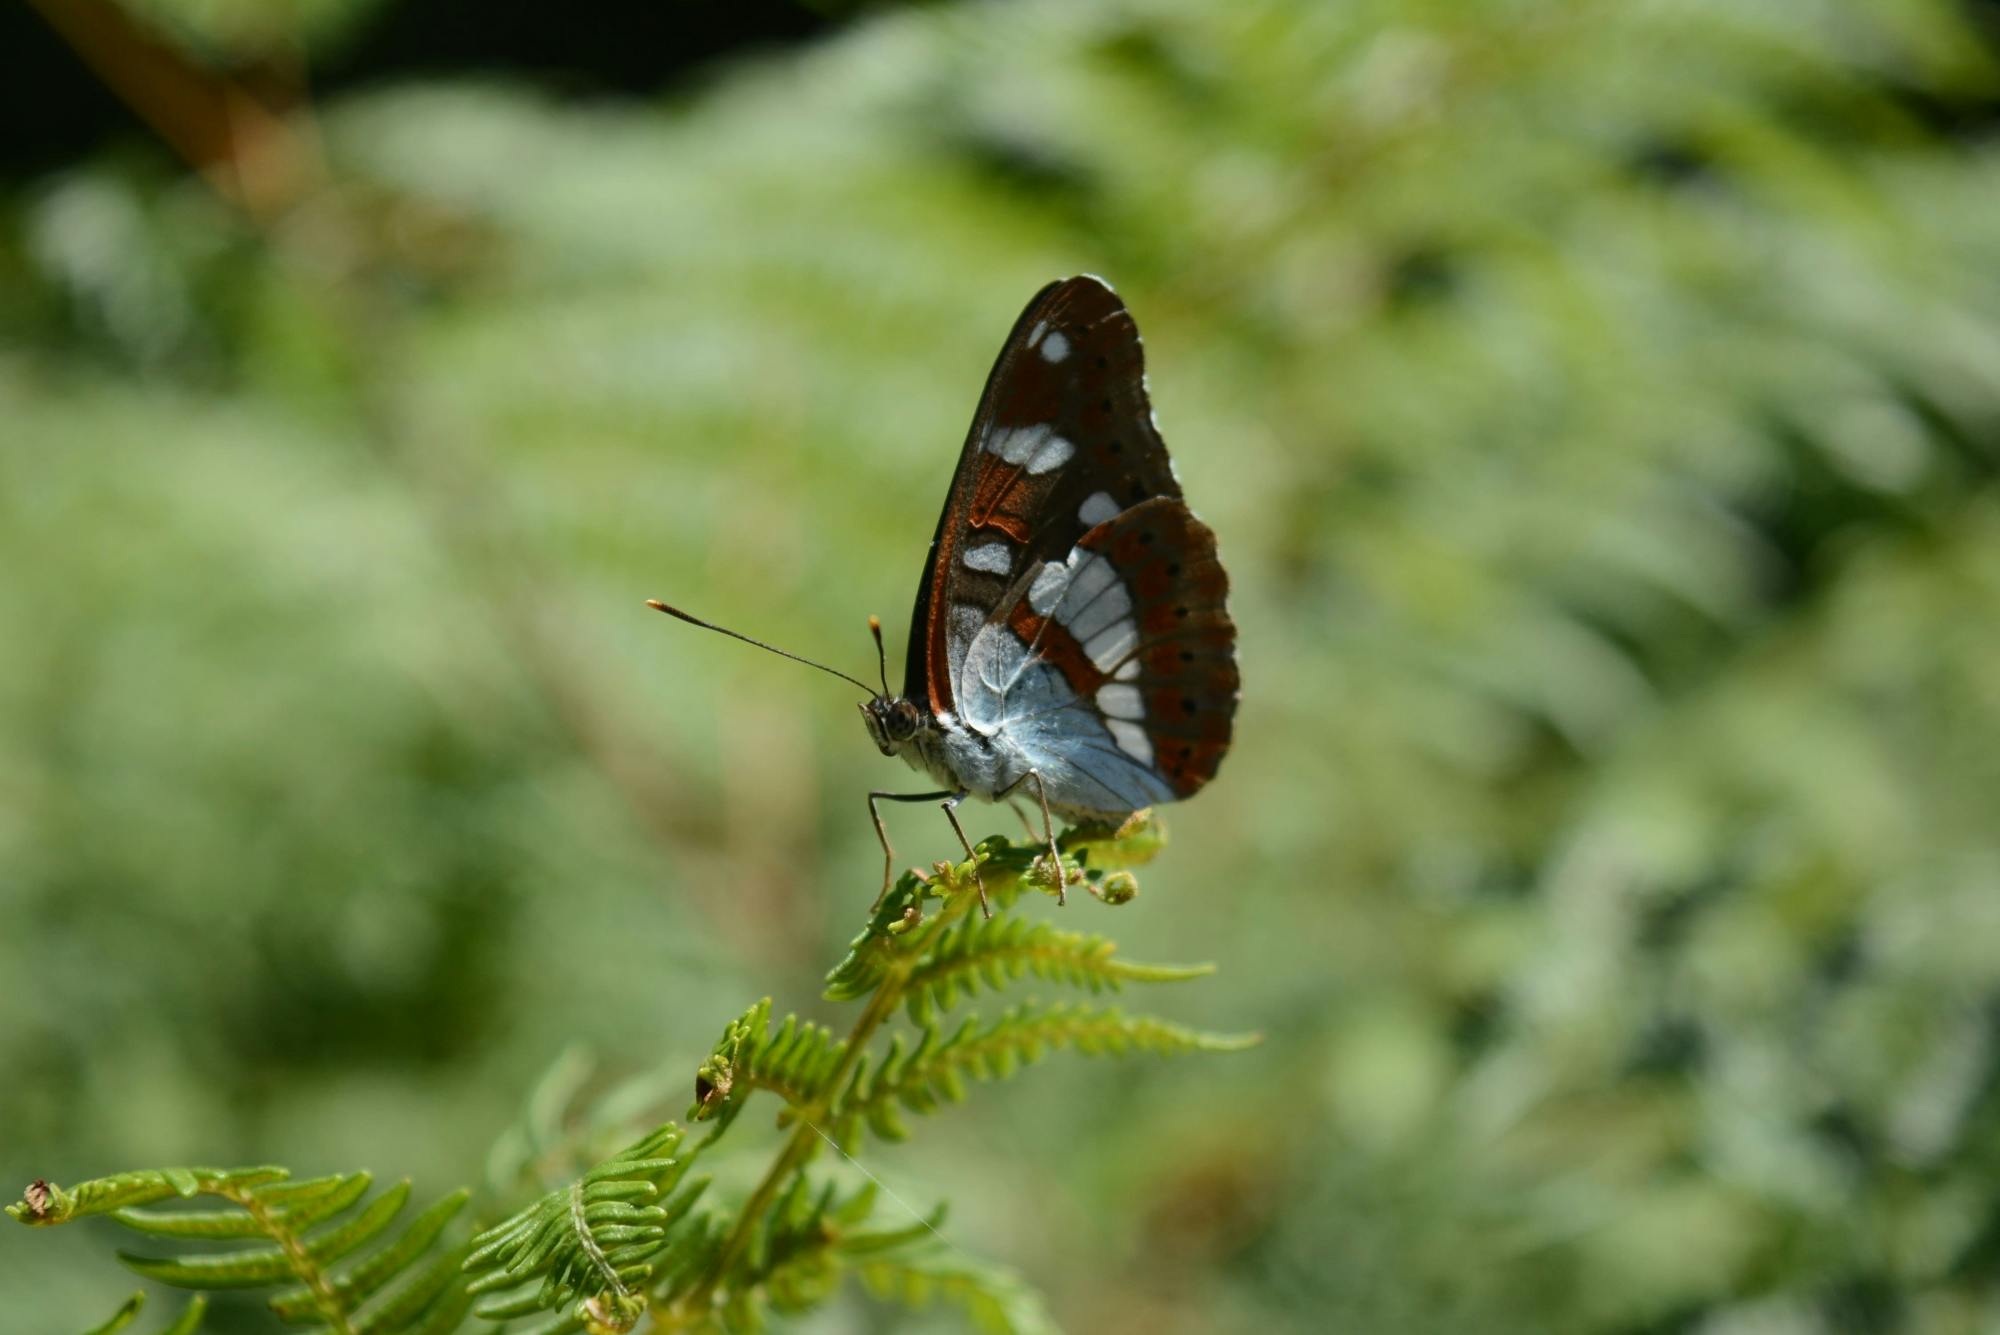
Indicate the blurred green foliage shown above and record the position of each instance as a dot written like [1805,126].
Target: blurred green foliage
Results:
[227,32]
[1599,406]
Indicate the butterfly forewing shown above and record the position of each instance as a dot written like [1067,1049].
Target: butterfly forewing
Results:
[1063,440]
[1073,605]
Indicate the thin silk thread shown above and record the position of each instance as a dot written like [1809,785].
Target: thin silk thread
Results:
[887,1190]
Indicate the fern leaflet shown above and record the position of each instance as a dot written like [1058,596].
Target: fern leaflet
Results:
[187,1323]
[592,1244]
[403,1285]
[935,1070]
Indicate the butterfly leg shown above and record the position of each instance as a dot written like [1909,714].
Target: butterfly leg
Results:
[950,805]
[1048,829]
[882,833]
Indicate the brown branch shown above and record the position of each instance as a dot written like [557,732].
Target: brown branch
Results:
[249,146]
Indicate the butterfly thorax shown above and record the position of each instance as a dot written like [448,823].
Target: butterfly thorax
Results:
[957,757]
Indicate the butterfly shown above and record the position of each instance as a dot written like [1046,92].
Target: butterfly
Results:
[1071,639]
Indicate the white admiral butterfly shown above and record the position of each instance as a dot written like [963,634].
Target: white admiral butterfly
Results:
[1070,638]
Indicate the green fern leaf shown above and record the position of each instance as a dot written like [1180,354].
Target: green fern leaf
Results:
[44,1203]
[429,1300]
[895,931]
[308,1226]
[1133,842]
[375,1271]
[795,1062]
[223,1270]
[993,952]
[697,1243]
[918,1079]
[796,1259]
[629,1235]
[993,1299]
[297,1205]
[122,1317]
[187,1323]
[592,1244]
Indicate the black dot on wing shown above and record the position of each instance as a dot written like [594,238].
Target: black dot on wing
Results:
[1173,569]
[1118,447]
[1187,655]
[1181,612]
[1146,538]
[1101,363]
[1105,406]
[1187,704]
[1186,751]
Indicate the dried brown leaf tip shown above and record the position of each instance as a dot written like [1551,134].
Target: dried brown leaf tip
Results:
[38,1197]
[711,1085]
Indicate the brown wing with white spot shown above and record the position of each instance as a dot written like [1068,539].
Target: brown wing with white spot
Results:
[1136,622]
[1182,665]
[1063,440]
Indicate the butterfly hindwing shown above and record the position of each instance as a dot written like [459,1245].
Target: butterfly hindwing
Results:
[1063,440]
[1113,670]
[1179,683]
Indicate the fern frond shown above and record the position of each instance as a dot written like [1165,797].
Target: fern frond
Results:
[896,932]
[520,1153]
[993,952]
[697,1243]
[993,1299]
[591,1244]
[796,1062]
[407,1290]
[805,1247]
[45,1203]
[1132,842]
[122,1317]
[789,1262]
[187,1323]
[310,1226]
[1094,856]
[629,1238]
[1006,869]
[936,1069]
[573,1119]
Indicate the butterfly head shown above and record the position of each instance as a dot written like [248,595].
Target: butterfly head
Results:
[892,721]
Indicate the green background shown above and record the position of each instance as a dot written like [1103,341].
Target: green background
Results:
[1599,409]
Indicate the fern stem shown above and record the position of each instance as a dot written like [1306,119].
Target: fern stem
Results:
[580,1226]
[800,1145]
[304,1266]
[804,1139]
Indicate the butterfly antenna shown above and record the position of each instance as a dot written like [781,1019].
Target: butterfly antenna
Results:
[676,612]
[881,654]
